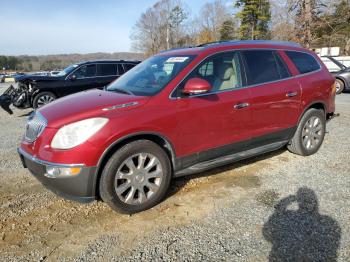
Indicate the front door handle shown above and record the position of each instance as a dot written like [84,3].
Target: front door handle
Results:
[291,94]
[241,105]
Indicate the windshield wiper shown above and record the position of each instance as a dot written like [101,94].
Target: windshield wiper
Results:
[123,91]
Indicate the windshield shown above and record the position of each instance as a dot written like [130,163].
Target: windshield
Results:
[66,71]
[151,76]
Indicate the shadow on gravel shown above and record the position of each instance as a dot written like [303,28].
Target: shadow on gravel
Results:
[301,233]
[180,182]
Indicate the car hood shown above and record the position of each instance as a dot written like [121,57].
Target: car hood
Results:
[37,78]
[92,103]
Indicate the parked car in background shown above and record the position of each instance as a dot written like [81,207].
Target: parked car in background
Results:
[177,113]
[2,78]
[38,90]
[342,75]
[53,73]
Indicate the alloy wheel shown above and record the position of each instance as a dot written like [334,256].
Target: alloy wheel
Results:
[45,99]
[337,86]
[312,133]
[138,178]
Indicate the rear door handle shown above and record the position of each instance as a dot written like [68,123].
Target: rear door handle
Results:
[291,94]
[241,105]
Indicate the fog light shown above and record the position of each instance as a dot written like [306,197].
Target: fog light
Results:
[55,172]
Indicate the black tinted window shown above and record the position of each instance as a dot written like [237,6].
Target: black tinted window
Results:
[282,67]
[120,69]
[304,62]
[107,69]
[86,71]
[261,66]
[127,67]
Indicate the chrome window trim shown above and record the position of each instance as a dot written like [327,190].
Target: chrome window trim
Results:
[43,162]
[171,97]
[67,77]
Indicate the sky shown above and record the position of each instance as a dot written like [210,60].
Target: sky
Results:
[39,27]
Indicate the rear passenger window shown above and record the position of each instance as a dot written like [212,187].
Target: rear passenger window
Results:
[106,70]
[282,67]
[261,66]
[304,62]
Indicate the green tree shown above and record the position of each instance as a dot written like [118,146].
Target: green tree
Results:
[255,17]
[176,18]
[227,30]
[333,29]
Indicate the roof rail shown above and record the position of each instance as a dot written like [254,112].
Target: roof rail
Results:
[251,42]
[177,48]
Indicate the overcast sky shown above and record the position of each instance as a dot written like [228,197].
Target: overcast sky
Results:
[39,27]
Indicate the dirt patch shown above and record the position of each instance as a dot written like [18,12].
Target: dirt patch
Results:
[37,224]
[268,198]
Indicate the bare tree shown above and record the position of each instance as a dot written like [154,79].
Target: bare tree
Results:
[211,18]
[160,27]
[282,21]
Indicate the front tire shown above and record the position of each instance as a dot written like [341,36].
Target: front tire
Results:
[136,177]
[42,99]
[310,133]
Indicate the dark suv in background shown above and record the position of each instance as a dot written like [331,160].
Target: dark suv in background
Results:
[36,91]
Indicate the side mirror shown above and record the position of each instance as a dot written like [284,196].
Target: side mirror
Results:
[73,77]
[196,86]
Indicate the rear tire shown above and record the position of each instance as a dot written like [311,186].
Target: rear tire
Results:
[310,133]
[136,177]
[339,85]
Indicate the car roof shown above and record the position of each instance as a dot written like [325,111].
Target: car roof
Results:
[234,44]
[108,61]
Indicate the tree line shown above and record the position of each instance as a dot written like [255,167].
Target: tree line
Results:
[312,23]
[25,63]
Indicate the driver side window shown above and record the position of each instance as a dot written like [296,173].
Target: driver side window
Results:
[222,71]
[86,71]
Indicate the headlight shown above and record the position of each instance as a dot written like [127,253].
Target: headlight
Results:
[77,133]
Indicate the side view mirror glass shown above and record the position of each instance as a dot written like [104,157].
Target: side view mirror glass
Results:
[73,77]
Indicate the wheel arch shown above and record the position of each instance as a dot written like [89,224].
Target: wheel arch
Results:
[316,105]
[157,138]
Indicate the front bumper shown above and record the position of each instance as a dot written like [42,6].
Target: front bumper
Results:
[79,187]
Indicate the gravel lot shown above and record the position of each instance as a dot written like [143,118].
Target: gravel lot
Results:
[278,206]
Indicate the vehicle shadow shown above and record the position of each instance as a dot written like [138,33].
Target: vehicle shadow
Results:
[301,234]
[178,183]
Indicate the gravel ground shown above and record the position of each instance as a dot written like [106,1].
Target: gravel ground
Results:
[278,206]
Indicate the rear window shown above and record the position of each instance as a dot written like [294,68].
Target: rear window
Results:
[106,69]
[262,66]
[304,62]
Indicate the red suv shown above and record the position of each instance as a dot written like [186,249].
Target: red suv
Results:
[177,113]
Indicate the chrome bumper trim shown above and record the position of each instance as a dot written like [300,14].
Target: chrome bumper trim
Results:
[43,162]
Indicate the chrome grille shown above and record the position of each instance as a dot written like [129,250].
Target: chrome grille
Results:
[36,124]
